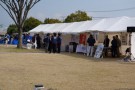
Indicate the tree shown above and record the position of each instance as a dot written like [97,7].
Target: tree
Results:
[31,23]
[12,29]
[77,16]
[18,11]
[50,21]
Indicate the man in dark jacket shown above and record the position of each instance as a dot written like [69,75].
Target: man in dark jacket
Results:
[114,46]
[59,40]
[106,44]
[118,45]
[90,47]
[46,42]
[38,38]
[54,42]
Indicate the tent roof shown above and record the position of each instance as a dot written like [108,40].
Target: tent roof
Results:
[118,24]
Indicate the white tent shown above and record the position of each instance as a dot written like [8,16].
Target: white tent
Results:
[59,27]
[39,28]
[118,24]
[72,28]
[85,26]
[107,23]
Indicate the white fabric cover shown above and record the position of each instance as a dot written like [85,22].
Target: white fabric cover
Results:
[118,24]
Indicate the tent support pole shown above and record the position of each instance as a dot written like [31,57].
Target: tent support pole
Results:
[130,34]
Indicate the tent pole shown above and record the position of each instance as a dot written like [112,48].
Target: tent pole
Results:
[130,34]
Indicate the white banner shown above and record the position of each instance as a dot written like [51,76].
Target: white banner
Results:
[99,51]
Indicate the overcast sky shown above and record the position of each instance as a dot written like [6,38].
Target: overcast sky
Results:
[61,8]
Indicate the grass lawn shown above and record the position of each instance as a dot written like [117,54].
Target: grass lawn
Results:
[13,49]
[22,69]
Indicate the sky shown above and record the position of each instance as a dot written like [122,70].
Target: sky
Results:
[61,8]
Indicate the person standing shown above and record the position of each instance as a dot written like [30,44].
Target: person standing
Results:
[6,39]
[50,43]
[118,45]
[34,41]
[11,39]
[114,46]
[106,44]
[46,42]
[38,39]
[90,47]
[54,42]
[24,39]
[28,38]
[59,40]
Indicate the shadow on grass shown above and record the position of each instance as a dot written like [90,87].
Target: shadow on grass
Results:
[14,49]
[106,59]
[80,55]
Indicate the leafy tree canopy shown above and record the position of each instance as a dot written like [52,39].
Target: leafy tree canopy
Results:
[31,23]
[77,16]
[50,21]
[12,29]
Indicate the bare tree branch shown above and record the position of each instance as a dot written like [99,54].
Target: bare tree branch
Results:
[9,12]
[18,11]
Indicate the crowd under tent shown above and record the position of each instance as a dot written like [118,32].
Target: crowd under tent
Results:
[110,26]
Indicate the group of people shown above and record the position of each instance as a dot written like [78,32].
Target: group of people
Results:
[7,38]
[115,46]
[36,41]
[52,43]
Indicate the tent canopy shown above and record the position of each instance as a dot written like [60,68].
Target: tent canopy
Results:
[118,24]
